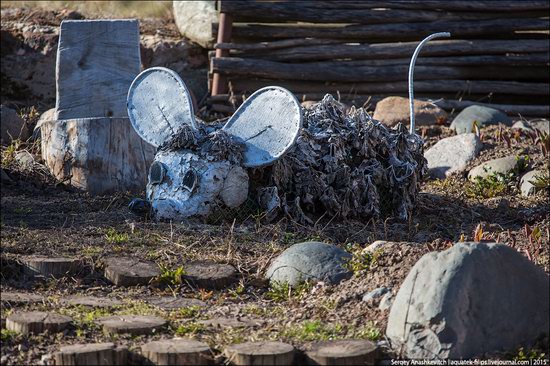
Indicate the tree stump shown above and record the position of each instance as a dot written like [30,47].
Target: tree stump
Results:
[37,322]
[178,352]
[173,303]
[19,298]
[99,302]
[131,324]
[260,353]
[126,271]
[347,352]
[210,275]
[91,354]
[51,266]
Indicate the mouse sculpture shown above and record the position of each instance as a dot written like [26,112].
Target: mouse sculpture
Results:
[305,164]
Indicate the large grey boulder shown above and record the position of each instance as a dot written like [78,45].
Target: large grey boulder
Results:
[468,300]
[310,261]
[527,185]
[452,154]
[482,116]
[503,166]
[194,20]
[12,127]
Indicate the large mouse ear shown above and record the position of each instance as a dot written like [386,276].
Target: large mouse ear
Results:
[159,104]
[268,123]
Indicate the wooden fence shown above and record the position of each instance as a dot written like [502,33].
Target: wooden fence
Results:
[359,51]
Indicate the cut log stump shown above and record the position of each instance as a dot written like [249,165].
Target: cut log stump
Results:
[37,322]
[178,352]
[126,271]
[210,275]
[91,354]
[19,298]
[260,353]
[131,324]
[347,352]
[174,303]
[99,302]
[51,266]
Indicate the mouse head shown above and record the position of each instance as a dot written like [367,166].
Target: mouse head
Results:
[195,171]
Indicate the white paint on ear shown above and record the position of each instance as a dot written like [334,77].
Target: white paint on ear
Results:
[158,104]
[267,123]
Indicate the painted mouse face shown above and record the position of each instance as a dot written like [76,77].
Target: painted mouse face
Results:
[192,181]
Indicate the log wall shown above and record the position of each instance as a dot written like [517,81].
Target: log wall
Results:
[498,53]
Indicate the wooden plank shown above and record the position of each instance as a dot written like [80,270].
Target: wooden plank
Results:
[400,31]
[278,70]
[474,87]
[402,49]
[96,63]
[306,11]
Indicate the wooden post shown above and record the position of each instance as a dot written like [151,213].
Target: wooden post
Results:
[219,82]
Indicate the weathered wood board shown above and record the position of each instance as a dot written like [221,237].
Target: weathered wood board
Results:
[98,155]
[96,63]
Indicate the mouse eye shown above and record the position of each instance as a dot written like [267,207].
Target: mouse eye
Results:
[190,180]
[157,172]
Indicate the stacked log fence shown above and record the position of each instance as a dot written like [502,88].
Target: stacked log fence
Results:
[359,51]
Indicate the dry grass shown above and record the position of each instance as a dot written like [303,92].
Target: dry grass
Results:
[109,9]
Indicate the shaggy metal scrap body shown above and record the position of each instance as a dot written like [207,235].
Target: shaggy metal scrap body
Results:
[344,164]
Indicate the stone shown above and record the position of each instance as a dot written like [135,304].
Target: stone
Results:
[526,183]
[51,266]
[308,261]
[393,110]
[209,275]
[375,294]
[194,20]
[342,352]
[19,298]
[91,354]
[174,303]
[98,302]
[482,116]
[178,351]
[27,322]
[452,154]
[469,300]
[502,165]
[260,353]
[127,271]
[12,127]
[131,324]
[543,125]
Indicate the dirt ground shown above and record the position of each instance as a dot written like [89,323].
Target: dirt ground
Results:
[40,216]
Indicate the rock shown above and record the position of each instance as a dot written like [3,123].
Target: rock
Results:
[37,322]
[91,354]
[452,154]
[393,110]
[12,127]
[260,353]
[503,166]
[471,299]
[98,302]
[174,303]
[210,275]
[375,294]
[543,125]
[131,324]
[194,20]
[342,352]
[178,352]
[127,271]
[526,184]
[483,116]
[310,261]
[386,301]
[19,298]
[51,266]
